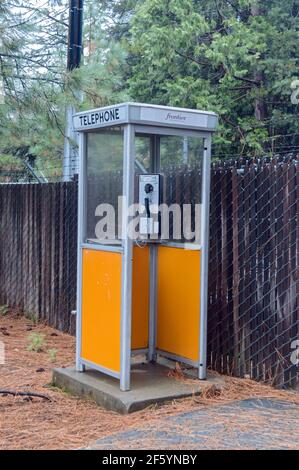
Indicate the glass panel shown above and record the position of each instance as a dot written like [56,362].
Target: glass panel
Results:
[181,167]
[104,172]
[142,154]
[142,161]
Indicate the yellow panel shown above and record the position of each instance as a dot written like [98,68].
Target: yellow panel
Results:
[101,308]
[178,301]
[140,301]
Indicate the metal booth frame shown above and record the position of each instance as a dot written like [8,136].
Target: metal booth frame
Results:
[151,119]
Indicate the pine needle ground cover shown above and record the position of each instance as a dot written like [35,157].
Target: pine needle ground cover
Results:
[60,421]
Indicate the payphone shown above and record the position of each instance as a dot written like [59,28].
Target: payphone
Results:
[143,294]
[150,187]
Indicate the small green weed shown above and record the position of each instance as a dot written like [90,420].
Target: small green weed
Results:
[36,342]
[4,310]
[53,354]
[32,317]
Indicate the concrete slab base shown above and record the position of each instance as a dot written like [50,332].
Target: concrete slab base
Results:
[150,384]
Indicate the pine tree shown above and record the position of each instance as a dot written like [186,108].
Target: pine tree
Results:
[236,57]
[37,86]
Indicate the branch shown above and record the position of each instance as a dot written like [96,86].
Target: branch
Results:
[218,11]
[24,394]
[185,56]
[19,57]
[235,126]
[235,7]
[42,79]
[247,80]
[47,15]
[237,88]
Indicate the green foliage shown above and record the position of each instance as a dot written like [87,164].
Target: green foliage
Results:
[53,354]
[37,86]
[225,57]
[36,342]
[237,58]
[4,309]
[33,317]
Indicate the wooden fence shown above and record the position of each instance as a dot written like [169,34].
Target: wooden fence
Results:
[38,226]
[254,262]
[254,270]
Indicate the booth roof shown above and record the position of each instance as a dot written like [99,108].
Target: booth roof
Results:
[145,114]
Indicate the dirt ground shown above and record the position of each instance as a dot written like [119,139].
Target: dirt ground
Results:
[66,422]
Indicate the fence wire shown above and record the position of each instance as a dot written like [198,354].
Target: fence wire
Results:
[38,251]
[253,324]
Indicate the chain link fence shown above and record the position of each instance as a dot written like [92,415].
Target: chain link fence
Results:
[38,251]
[253,326]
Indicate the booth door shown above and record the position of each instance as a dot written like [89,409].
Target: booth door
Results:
[178,265]
[101,251]
[178,305]
[102,258]
[101,308]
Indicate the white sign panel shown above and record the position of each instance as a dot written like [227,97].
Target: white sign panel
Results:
[172,118]
[100,118]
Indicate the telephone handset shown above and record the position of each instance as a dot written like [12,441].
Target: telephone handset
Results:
[149,199]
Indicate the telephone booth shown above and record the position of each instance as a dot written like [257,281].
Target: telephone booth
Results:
[144,182]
